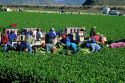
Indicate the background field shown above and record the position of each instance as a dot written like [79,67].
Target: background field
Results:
[106,65]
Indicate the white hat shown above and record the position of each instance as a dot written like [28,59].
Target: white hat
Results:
[52,29]
[84,28]
[94,27]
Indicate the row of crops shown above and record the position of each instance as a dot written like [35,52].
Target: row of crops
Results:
[104,66]
[98,67]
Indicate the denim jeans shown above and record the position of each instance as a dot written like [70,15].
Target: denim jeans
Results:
[29,48]
[5,47]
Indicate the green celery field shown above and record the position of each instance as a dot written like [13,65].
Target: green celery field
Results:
[108,65]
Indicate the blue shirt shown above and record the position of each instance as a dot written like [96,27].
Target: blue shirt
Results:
[65,40]
[12,36]
[25,45]
[52,35]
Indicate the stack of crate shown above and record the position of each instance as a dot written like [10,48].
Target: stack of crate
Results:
[73,30]
[15,30]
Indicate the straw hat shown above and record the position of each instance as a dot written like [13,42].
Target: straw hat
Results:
[84,28]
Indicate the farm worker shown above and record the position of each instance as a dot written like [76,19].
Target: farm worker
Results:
[72,46]
[25,45]
[94,47]
[96,37]
[24,32]
[12,36]
[91,40]
[117,45]
[5,40]
[102,39]
[52,35]
[29,37]
[50,48]
[84,31]
[77,38]
[93,31]
[64,38]
[38,34]
[29,47]
[17,46]
[59,32]
[65,31]
[70,36]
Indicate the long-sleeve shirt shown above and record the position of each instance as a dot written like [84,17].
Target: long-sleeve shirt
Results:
[95,47]
[12,37]
[52,35]
[65,40]
[4,38]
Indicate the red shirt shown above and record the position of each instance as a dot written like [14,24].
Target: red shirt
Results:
[4,38]
[96,37]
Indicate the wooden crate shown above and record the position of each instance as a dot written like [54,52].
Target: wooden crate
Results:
[74,36]
[56,40]
[42,41]
[81,38]
[73,29]
[39,42]
[21,38]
